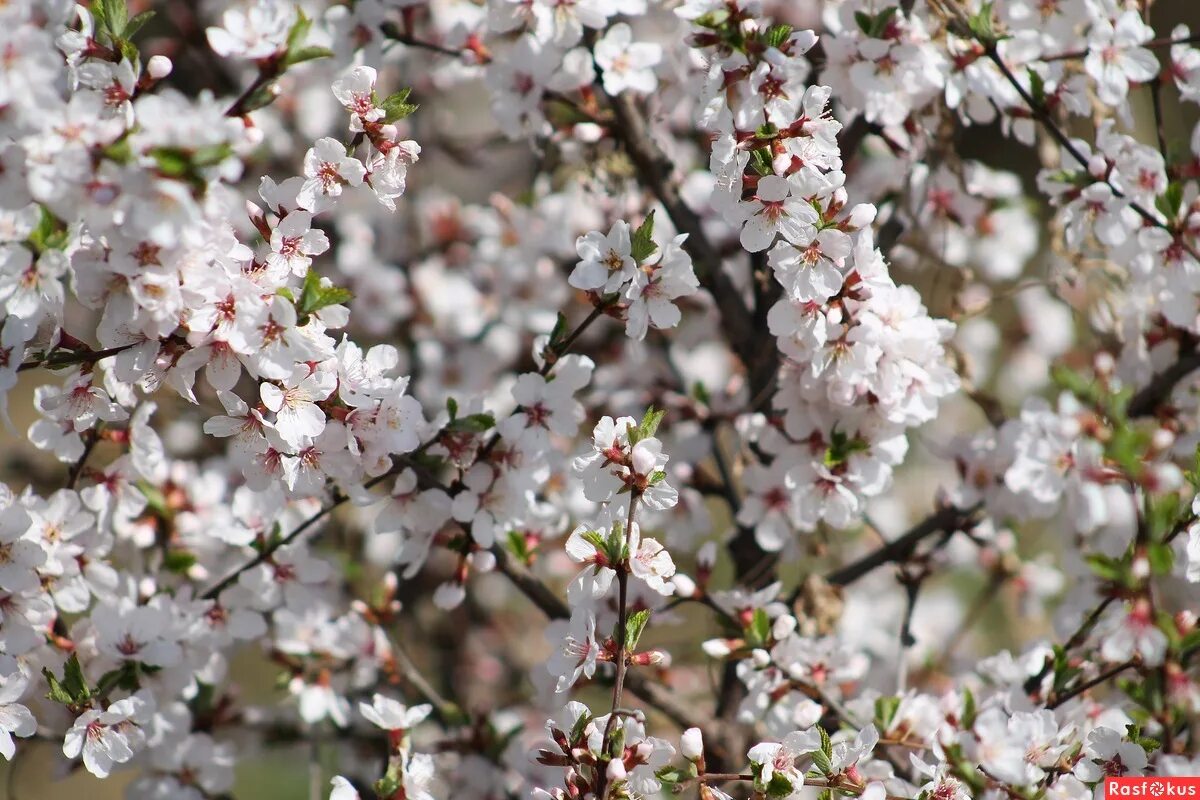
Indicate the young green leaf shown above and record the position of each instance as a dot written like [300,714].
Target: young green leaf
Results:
[642,241]
[634,625]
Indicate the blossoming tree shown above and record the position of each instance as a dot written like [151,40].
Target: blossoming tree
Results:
[601,398]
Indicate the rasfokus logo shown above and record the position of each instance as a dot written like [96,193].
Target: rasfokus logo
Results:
[1152,788]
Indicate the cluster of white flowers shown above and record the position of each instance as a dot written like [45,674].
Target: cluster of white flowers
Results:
[863,359]
[384,475]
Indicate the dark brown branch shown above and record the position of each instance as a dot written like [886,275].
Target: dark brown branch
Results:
[944,520]
[1080,688]
[1159,389]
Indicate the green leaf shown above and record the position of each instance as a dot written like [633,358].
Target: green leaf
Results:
[261,97]
[776,35]
[1170,201]
[1162,513]
[185,164]
[595,540]
[559,332]
[473,423]
[1107,568]
[634,625]
[758,632]
[1037,87]
[614,545]
[452,408]
[642,241]
[518,545]
[669,776]
[650,422]
[885,711]
[580,725]
[1161,558]
[74,681]
[315,295]
[396,106]
[298,33]
[155,499]
[391,783]
[826,742]
[99,16]
[124,677]
[50,234]
[134,25]
[57,693]
[982,26]
[760,159]
[116,16]
[968,712]
[779,786]
[179,561]
[308,53]
[875,26]
[713,19]
[821,759]
[119,151]
[841,447]
[211,155]
[766,131]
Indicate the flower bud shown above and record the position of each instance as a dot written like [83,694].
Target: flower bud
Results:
[862,215]
[483,560]
[684,586]
[716,648]
[784,625]
[159,67]
[643,458]
[616,770]
[691,744]
[1162,439]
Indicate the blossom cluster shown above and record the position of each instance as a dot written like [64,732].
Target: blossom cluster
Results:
[602,399]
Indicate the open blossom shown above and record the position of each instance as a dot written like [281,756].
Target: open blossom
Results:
[548,406]
[327,169]
[652,563]
[15,718]
[1135,634]
[297,416]
[774,759]
[626,64]
[652,291]
[392,715]
[775,210]
[294,242]
[577,650]
[606,260]
[109,737]
[1115,58]
[258,31]
[355,90]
